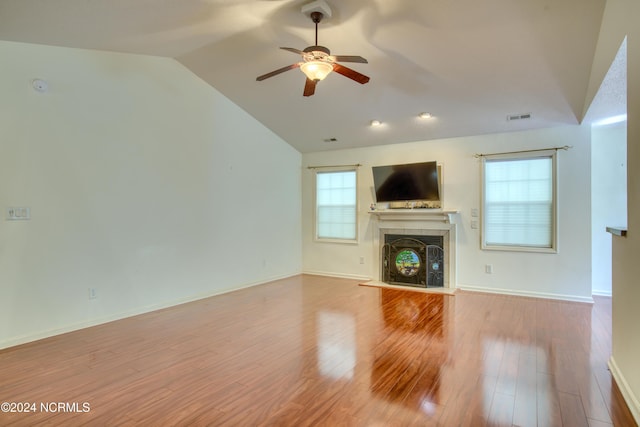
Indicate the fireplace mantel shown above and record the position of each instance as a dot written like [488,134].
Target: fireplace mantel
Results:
[438,215]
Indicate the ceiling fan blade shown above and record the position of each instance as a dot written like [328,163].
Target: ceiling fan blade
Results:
[278,71]
[309,87]
[352,74]
[350,58]
[293,49]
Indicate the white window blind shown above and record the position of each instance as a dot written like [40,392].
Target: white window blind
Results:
[336,205]
[518,202]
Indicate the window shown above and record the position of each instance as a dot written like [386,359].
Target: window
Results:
[336,205]
[519,202]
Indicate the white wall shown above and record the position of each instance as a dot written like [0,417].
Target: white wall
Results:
[608,198]
[144,183]
[563,275]
[621,19]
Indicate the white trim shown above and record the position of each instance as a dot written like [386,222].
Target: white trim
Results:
[331,169]
[629,397]
[438,215]
[518,248]
[378,284]
[338,241]
[553,154]
[337,275]
[11,342]
[544,295]
[601,293]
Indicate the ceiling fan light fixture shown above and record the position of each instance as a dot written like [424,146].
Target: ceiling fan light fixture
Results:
[316,70]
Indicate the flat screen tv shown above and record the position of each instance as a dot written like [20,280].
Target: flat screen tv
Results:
[407,182]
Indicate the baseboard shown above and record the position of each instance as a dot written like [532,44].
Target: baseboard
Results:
[12,342]
[544,295]
[377,284]
[628,395]
[338,275]
[601,293]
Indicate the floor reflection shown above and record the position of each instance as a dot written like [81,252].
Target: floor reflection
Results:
[468,359]
[336,338]
[411,348]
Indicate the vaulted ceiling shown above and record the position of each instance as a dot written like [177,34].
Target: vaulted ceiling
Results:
[469,63]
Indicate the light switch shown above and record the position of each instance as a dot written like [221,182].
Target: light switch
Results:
[15,214]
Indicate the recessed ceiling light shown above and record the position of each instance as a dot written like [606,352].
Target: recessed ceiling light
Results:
[425,115]
[376,122]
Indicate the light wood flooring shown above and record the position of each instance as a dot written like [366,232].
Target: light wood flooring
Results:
[313,350]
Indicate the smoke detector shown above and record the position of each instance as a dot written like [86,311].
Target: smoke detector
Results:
[317,6]
[40,85]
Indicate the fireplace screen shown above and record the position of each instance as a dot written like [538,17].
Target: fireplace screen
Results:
[413,261]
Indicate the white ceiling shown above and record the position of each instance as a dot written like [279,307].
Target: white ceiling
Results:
[470,63]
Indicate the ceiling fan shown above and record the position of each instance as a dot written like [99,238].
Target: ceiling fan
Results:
[317,62]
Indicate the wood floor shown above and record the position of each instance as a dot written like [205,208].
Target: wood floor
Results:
[313,350]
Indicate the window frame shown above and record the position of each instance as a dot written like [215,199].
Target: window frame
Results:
[316,238]
[552,154]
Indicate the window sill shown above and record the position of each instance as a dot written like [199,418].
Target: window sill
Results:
[520,249]
[339,241]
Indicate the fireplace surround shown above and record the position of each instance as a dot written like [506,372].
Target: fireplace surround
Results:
[417,247]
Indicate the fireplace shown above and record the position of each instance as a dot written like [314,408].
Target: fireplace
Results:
[417,248]
[413,260]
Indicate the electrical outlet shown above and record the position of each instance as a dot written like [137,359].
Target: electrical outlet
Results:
[474,212]
[361,260]
[488,268]
[93,293]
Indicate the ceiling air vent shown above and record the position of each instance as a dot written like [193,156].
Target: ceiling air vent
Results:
[518,117]
[330,140]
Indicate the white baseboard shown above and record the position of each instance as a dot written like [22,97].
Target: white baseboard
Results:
[629,397]
[377,284]
[338,275]
[601,293]
[11,342]
[560,297]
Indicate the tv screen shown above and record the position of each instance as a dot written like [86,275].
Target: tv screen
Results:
[414,181]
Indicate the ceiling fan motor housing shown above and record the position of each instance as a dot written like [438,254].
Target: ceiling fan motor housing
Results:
[317,49]
[317,53]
